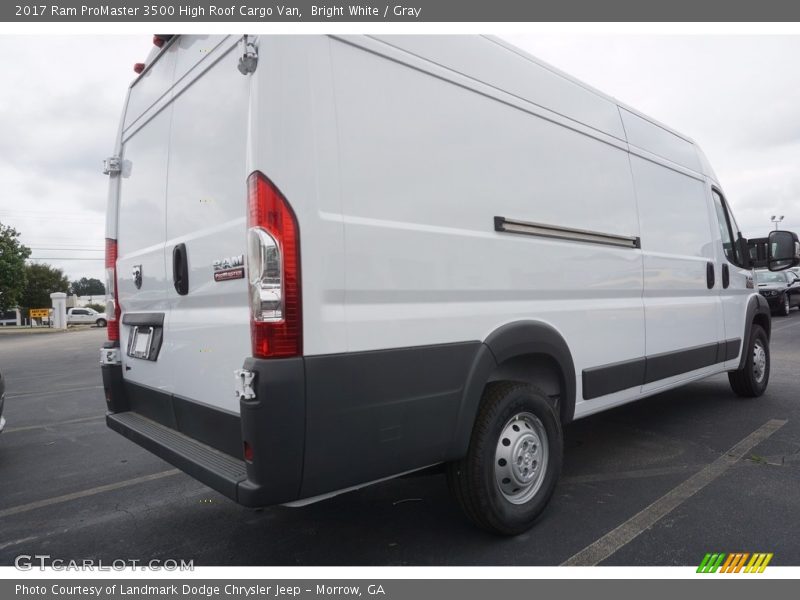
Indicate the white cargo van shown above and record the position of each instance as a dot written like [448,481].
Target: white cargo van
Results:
[334,260]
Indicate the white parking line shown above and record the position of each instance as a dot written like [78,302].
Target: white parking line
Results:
[615,539]
[19,541]
[50,425]
[15,510]
[782,327]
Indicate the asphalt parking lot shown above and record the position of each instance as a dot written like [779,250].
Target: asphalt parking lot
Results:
[73,489]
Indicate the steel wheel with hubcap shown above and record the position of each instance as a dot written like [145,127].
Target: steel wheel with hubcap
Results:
[759,361]
[513,461]
[521,458]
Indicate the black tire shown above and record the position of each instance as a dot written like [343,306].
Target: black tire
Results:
[786,306]
[101,322]
[472,480]
[745,382]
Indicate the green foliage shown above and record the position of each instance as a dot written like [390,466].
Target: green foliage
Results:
[88,287]
[97,306]
[12,267]
[43,280]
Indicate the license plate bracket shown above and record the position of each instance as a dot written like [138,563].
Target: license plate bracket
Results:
[143,342]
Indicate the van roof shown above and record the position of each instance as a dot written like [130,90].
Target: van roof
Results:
[586,86]
[691,158]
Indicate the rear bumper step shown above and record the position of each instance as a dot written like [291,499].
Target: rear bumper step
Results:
[207,442]
[216,469]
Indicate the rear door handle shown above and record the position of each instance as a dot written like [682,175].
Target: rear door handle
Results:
[710,274]
[180,269]
[726,276]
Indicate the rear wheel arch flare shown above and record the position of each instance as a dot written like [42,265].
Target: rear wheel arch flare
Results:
[521,350]
[541,345]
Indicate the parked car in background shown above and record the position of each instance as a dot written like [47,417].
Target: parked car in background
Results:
[77,316]
[780,288]
[2,402]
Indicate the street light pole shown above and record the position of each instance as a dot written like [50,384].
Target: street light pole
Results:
[776,220]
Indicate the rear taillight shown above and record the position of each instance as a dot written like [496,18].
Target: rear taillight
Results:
[112,299]
[273,267]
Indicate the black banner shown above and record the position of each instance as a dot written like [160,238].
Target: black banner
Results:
[390,589]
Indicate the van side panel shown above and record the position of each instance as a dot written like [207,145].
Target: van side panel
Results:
[425,167]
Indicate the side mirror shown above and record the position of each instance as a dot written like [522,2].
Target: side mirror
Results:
[783,250]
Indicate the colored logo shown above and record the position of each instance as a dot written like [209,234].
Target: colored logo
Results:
[735,562]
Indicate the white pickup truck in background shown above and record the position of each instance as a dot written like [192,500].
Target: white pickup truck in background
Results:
[76,316]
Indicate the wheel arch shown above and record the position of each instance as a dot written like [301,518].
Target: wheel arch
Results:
[529,351]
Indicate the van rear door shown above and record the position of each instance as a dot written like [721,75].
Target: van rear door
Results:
[141,276]
[207,332]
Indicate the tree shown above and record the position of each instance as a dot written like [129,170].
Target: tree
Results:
[88,287]
[43,280]
[12,267]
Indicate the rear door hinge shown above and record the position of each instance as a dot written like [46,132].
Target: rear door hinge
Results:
[110,356]
[112,165]
[249,59]
[244,384]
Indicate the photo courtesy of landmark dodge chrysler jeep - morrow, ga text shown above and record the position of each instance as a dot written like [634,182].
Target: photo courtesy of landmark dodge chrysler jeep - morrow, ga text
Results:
[332,260]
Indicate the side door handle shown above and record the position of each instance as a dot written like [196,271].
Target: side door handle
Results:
[726,276]
[180,269]
[710,274]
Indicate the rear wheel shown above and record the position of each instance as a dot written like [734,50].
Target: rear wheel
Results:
[513,462]
[101,322]
[751,380]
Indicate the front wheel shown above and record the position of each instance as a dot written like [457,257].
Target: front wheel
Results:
[786,306]
[751,380]
[513,462]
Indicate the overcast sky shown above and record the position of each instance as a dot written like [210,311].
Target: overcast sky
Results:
[60,100]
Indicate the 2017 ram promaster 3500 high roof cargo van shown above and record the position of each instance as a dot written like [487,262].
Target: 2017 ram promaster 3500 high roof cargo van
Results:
[334,260]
